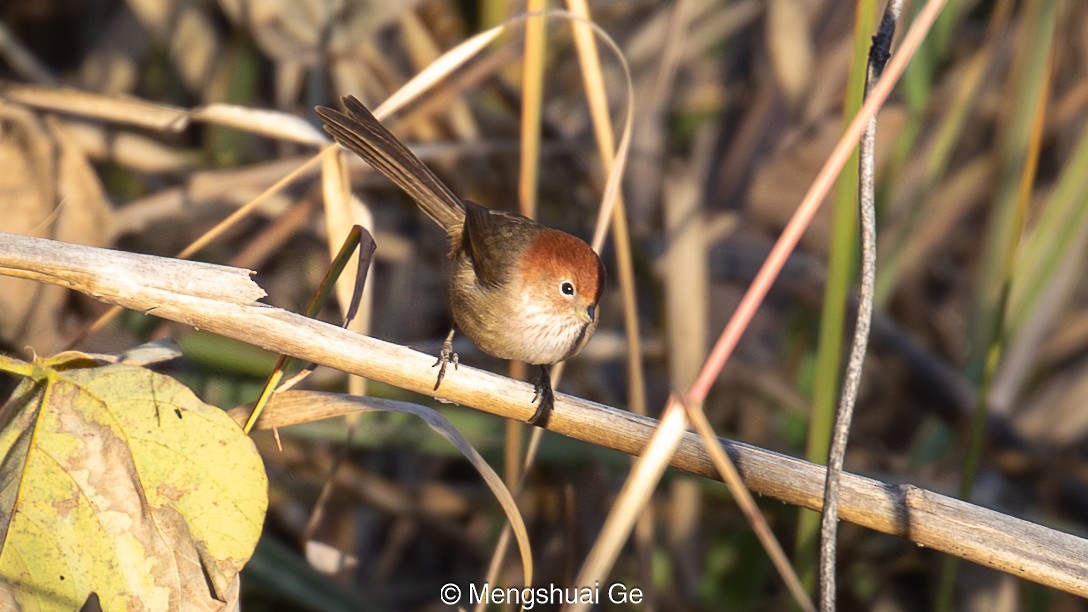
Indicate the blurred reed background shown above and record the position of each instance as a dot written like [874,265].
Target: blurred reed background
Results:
[982,191]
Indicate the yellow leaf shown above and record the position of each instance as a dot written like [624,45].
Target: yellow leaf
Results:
[118,481]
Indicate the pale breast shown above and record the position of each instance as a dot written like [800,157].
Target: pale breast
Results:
[511,325]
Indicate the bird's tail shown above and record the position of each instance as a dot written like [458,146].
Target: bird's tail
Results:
[358,130]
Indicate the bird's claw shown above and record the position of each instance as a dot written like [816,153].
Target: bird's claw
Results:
[446,357]
[544,393]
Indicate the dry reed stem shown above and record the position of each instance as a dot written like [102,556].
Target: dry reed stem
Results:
[984,536]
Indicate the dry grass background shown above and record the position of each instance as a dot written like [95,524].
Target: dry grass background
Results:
[737,104]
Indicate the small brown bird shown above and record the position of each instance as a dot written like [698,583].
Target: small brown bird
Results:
[518,290]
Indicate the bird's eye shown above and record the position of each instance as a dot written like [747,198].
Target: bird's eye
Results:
[567,288]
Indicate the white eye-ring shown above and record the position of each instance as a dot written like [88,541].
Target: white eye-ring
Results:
[567,288]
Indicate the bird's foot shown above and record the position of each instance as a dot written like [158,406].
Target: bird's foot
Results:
[544,393]
[446,357]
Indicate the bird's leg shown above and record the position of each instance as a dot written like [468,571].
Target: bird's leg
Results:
[546,396]
[446,357]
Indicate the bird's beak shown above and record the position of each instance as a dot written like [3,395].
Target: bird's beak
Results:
[588,314]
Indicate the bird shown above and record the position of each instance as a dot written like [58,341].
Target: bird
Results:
[518,289]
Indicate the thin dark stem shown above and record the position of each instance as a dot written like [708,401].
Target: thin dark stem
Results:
[878,56]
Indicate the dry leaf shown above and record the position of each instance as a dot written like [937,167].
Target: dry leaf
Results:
[48,189]
[119,482]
